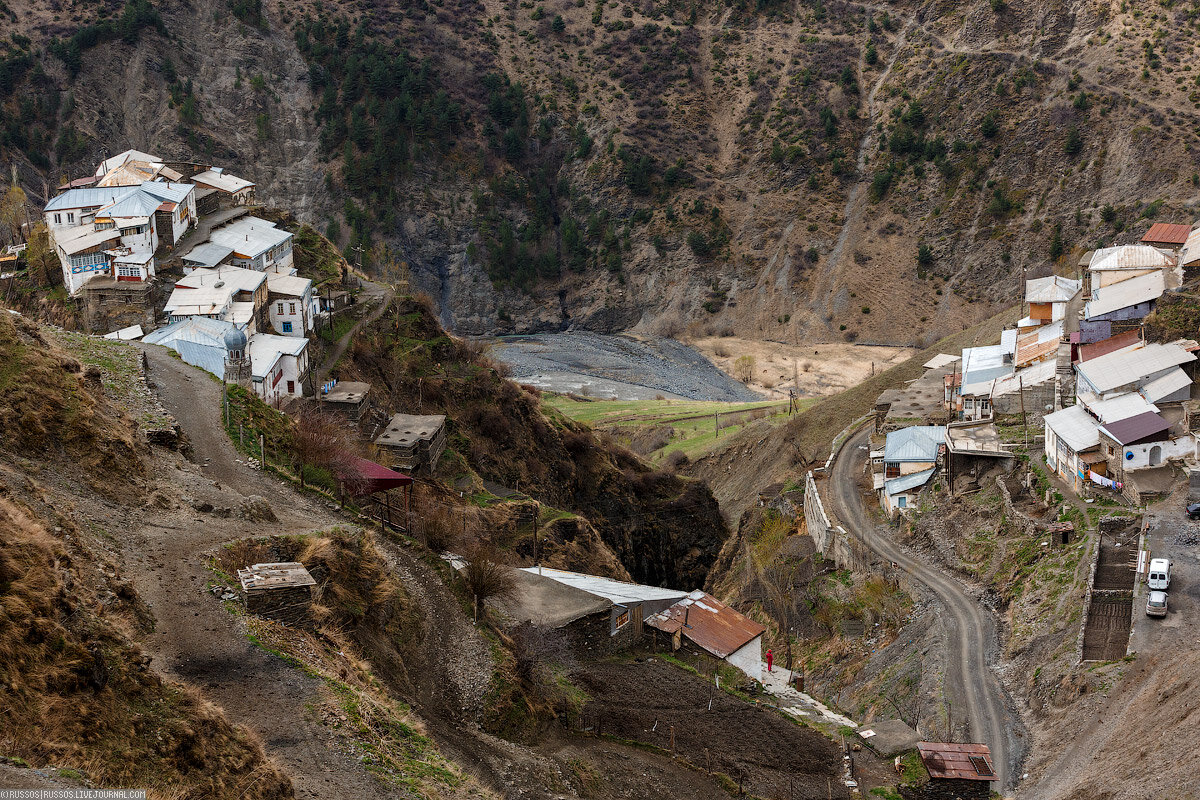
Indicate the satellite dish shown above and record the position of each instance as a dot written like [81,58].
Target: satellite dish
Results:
[218,284]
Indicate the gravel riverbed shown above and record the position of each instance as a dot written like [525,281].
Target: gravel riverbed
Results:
[618,367]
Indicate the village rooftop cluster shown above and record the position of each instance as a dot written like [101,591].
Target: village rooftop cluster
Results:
[112,231]
[1112,407]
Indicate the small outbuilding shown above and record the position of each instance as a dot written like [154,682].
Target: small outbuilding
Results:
[351,398]
[956,772]
[280,591]
[412,442]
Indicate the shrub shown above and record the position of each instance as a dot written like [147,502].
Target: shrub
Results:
[989,126]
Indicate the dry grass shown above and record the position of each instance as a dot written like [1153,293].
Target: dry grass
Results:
[77,694]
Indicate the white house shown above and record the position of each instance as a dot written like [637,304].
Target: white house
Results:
[1111,265]
[1072,444]
[177,210]
[103,231]
[1048,299]
[910,458]
[121,159]
[1137,368]
[292,305]
[278,365]
[256,244]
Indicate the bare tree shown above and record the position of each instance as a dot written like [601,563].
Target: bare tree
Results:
[319,441]
[487,578]
[536,650]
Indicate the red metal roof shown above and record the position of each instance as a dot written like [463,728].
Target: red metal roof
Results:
[362,477]
[969,762]
[1105,346]
[709,623]
[1167,233]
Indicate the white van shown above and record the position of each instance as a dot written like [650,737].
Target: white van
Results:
[1159,577]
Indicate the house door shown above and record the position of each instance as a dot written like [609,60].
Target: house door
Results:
[1155,456]
[291,387]
[637,621]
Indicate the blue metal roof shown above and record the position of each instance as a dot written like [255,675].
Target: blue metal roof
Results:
[918,443]
[905,482]
[86,198]
[174,192]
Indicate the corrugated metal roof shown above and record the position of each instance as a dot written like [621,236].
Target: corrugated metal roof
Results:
[1074,426]
[1190,255]
[905,482]
[164,190]
[1123,406]
[1054,289]
[277,575]
[120,158]
[131,173]
[234,278]
[208,254]
[266,348]
[1167,385]
[290,285]
[76,240]
[940,360]
[1126,431]
[1128,366]
[980,364]
[219,179]
[709,623]
[126,334]
[1167,233]
[1039,373]
[1129,338]
[918,443]
[135,205]
[86,198]
[1113,297]
[209,358]
[250,236]
[970,762]
[619,592]
[1129,256]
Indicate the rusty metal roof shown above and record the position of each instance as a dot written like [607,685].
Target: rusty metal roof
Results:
[970,762]
[275,575]
[709,623]
[1113,343]
[1167,233]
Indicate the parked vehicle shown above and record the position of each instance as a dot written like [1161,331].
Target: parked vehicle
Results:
[1156,604]
[1159,577]
[1193,510]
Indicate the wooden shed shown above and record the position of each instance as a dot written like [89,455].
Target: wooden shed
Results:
[281,591]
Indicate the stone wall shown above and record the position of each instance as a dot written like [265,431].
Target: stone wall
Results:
[591,636]
[290,605]
[948,790]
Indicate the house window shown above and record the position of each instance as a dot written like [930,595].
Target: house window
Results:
[291,387]
[128,271]
[622,619]
[902,502]
[281,308]
[287,327]
[71,217]
[58,219]
[291,308]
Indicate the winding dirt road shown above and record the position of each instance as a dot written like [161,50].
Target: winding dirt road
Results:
[972,686]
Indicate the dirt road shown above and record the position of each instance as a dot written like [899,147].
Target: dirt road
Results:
[972,686]
[373,292]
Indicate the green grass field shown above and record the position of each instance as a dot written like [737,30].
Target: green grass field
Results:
[659,427]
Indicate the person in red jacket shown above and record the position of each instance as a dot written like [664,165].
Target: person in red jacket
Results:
[770,658]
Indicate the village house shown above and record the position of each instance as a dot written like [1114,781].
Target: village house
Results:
[1111,265]
[1137,368]
[120,159]
[226,293]
[292,307]
[256,244]
[628,604]
[1167,236]
[1126,301]
[350,398]
[713,629]
[1072,446]
[279,366]
[1142,442]
[1048,299]
[910,457]
[234,190]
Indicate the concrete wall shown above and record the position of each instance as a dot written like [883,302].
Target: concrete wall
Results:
[749,658]
[1036,399]
[815,518]
[1183,447]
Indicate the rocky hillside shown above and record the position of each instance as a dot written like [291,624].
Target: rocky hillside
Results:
[783,170]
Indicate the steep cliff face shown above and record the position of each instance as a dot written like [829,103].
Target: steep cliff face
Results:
[804,170]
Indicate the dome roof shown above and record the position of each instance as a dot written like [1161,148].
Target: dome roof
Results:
[235,339]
